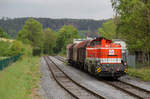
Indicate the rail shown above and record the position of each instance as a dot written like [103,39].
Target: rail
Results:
[74,88]
[128,88]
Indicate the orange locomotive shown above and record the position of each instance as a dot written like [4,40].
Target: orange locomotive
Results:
[98,56]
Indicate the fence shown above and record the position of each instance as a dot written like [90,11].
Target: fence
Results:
[136,60]
[6,62]
[131,60]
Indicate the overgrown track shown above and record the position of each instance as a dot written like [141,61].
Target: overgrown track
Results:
[128,88]
[74,88]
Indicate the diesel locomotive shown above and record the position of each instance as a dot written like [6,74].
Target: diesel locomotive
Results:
[98,56]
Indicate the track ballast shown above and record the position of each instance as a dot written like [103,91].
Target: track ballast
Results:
[74,88]
[128,88]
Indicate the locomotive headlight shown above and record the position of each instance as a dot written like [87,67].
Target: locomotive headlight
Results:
[125,70]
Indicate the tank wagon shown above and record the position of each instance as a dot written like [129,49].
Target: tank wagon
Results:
[98,56]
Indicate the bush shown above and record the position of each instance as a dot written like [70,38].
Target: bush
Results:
[14,48]
[4,48]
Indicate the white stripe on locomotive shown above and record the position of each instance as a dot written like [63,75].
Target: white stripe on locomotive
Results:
[106,60]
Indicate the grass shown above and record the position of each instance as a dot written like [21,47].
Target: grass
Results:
[20,79]
[62,54]
[142,73]
[3,58]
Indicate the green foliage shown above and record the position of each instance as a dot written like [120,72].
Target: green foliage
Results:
[19,79]
[36,52]
[13,26]
[142,73]
[27,50]
[49,41]
[4,48]
[31,33]
[16,48]
[2,57]
[3,34]
[65,36]
[134,22]
[108,30]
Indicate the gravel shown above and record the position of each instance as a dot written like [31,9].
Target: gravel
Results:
[92,83]
[49,89]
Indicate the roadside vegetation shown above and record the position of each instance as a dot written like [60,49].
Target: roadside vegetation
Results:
[2,58]
[19,80]
[142,73]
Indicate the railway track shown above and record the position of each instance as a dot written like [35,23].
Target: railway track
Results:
[128,88]
[60,58]
[74,88]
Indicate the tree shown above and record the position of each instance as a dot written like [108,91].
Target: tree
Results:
[108,30]
[3,34]
[31,33]
[49,41]
[16,48]
[134,23]
[12,48]
[65,36]
[13,26]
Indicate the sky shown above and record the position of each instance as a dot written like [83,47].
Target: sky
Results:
[76,9]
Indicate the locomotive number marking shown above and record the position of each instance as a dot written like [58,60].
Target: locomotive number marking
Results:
[111,52]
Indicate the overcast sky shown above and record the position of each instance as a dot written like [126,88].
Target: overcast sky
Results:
[85,9]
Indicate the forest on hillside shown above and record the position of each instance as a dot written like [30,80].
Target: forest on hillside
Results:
[12,26]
